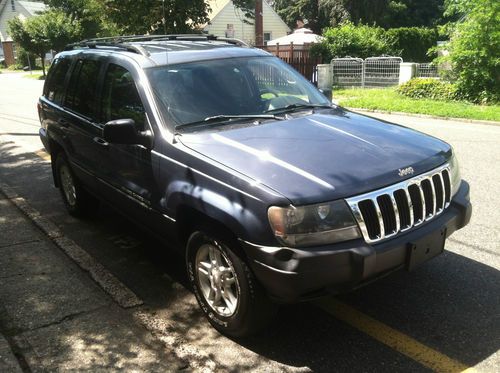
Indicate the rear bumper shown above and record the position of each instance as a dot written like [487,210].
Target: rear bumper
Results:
[291,274]
[42,132]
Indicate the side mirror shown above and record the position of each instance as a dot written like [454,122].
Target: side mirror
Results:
[124,131]
[327,93]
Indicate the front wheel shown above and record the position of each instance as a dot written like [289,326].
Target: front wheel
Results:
[226,290]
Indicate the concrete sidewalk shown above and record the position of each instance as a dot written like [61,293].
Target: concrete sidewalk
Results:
[53,316]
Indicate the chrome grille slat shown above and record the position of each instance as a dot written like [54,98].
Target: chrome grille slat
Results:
[431,182]
[380,214]
[410,207]
[396,211]
[380,219]
[424,207]
[443,204]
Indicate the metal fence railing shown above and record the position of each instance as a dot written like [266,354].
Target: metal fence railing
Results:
[347,72]
[426,70]
[381,71]
[371,72]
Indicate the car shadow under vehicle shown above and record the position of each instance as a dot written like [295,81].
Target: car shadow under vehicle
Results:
[450,304]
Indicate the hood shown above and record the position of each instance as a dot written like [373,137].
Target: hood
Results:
[324,156]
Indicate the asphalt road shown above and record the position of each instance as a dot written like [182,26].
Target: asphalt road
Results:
[444,316]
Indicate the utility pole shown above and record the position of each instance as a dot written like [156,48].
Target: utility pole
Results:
[259,28]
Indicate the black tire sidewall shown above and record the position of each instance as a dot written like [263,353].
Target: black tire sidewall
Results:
[84,203]
[240,322]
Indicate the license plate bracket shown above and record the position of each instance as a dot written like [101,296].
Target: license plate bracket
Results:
[425,248]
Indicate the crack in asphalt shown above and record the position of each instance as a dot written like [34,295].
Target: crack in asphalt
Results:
[69,317]
[18,243]
[475,247]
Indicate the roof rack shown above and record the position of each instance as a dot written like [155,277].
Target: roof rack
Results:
[123,42]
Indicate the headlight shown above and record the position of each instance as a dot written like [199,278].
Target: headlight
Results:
[455,175]
[320,224]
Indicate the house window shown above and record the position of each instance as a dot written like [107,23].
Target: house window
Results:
[229,30]
[267,37]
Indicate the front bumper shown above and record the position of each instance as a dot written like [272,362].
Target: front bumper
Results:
[291,274]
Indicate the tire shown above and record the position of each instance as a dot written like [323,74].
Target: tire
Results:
[240,307]
[77,200]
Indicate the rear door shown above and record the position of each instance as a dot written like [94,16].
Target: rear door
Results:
[79,119]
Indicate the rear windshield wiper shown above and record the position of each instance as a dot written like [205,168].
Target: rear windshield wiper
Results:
[224,118]
[299,106]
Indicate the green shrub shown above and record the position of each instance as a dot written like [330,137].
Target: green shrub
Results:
[355,41]
[413,43]
[474,50]
[429,88]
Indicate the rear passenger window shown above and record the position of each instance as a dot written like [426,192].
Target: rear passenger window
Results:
[81,96]
[54,89]
[120,98]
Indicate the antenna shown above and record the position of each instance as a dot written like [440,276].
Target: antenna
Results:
[164,20]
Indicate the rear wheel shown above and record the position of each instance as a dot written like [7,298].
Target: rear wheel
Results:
[77,200]
[226,289]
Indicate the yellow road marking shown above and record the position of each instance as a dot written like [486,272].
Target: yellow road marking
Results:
[43,154]
[392,338]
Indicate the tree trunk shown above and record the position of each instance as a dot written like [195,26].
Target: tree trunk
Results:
[42,57]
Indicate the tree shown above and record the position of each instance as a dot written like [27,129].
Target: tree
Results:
[384,13]
[146,16]
[474,49]
[39,34]
[29,38]
[88,13]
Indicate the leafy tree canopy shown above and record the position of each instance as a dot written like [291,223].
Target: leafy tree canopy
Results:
[384,13]
[51,30]
[146,16]
[88,13]
[474,49]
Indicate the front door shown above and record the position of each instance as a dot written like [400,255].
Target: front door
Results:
[129,178]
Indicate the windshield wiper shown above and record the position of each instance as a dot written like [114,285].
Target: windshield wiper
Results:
[299,106]
[222,118]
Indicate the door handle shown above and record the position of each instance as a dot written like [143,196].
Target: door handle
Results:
[100,141]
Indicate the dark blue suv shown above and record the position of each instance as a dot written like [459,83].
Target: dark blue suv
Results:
[272,193]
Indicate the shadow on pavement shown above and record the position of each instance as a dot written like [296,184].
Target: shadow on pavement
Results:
[450,304]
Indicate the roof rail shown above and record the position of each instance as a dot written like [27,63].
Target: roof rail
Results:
[123,42]
[95,45]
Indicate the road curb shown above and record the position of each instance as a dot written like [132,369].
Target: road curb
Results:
[197,360]
[465,120]
[107,281]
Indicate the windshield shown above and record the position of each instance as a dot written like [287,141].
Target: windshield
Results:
[192,92]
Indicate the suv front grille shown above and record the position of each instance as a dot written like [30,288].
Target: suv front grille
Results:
[384,213]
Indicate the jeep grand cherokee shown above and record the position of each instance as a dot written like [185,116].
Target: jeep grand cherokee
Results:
[271,193]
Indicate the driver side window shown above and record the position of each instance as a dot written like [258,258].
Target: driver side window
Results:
[120,98]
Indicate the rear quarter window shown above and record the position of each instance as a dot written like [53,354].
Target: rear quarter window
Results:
[81,96]
[54,87]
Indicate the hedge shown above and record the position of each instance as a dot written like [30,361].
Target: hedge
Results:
[410,43]
[413,43]
[429,88]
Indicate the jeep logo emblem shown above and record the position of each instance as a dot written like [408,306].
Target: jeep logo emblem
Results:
[406,171]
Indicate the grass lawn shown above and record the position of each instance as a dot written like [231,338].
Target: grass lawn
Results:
[387,99]
[36,75]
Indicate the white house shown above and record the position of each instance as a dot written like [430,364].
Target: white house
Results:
[227,20]
[8,10]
